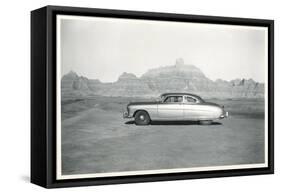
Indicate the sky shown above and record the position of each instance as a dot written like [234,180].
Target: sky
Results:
[104,48]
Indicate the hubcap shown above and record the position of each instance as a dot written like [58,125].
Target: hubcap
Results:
[142,117]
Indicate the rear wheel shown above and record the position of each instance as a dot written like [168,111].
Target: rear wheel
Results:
[142,118]
[209,122]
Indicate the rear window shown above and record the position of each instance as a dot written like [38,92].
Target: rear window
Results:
[190,99]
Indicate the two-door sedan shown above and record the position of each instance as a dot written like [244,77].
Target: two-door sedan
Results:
[175,107]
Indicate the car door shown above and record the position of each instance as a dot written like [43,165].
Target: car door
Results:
[171,108]
[191,108]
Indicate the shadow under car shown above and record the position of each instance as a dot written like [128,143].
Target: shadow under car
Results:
[173,123]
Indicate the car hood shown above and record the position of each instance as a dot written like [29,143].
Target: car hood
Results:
[142,103]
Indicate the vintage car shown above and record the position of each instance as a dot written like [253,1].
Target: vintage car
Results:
[175,107]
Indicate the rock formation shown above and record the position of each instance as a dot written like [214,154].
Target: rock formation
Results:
[176,78]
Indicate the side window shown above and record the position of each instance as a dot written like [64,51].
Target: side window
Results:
[168,99]
[173,99]
[190,100]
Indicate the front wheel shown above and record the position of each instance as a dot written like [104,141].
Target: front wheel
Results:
[209,122]
[142,118]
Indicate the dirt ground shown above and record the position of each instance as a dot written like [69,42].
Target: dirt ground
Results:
[99,140]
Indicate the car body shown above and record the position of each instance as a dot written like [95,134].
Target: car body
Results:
[173,107]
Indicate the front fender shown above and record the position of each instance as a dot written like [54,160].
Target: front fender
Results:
[150,109]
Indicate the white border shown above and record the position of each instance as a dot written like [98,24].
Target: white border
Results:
[59,175]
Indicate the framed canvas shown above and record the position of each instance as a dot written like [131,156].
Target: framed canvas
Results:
[126,96]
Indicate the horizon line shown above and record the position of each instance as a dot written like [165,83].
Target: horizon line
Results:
[139,77]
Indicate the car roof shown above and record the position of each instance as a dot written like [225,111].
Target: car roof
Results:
[178,93]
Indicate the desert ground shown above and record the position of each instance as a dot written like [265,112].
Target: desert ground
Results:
[96,139]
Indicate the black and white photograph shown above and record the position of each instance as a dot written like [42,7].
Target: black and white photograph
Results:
[138,96]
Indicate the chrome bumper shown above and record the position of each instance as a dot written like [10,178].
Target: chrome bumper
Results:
[126,115]
[225,115]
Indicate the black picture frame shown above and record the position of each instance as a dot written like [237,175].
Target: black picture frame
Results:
[43,95]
